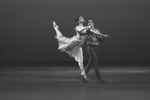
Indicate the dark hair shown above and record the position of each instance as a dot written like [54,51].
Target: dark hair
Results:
[91,19]
[76,20]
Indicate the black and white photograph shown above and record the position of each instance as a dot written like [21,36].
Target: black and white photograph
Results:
[74,50]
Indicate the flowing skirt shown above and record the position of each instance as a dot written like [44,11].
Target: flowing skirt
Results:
[72,46]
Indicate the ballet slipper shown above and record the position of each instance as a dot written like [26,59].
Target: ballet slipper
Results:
[83,74]
[55,25]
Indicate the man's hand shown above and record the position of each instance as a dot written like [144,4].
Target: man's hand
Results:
[106,35]
[88,27]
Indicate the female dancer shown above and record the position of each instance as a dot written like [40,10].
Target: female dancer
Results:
[72,46]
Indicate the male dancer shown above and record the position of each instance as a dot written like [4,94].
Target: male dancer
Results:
[92,42]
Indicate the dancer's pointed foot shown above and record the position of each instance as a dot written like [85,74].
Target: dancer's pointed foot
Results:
[55,25]
[84,80]
[84,74]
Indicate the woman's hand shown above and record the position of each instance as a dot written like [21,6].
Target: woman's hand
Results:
[89,27]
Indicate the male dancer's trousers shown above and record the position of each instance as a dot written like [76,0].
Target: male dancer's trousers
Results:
[93,60]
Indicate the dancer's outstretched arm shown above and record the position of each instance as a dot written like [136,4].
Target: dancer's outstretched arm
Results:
[82,30]
[98,32]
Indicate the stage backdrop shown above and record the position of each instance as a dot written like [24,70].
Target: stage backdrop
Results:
[27,34]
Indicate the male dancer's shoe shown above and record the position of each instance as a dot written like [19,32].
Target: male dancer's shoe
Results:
[101,81]
[84,80]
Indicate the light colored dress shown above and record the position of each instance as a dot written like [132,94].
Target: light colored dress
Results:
[72,46]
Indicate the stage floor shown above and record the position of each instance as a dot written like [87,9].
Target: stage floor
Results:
[64,83]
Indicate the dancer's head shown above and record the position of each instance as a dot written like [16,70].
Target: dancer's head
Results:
[79,20]
[91,22]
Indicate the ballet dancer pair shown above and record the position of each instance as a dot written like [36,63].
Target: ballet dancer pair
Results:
[73,45]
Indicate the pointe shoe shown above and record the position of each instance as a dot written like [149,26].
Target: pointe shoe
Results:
[83,74]
[55,25]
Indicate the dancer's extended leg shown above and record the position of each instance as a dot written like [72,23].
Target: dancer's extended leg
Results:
[82,69]
[93,56]
[58,33]
[79,58]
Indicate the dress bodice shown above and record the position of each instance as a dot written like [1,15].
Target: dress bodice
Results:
[81,35]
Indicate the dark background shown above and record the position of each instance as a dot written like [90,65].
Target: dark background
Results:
[27,35]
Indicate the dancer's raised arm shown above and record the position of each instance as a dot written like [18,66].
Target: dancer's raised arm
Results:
[83,30]
[98,32]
